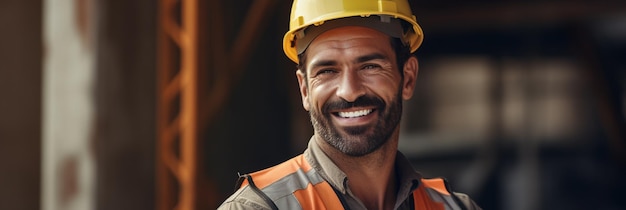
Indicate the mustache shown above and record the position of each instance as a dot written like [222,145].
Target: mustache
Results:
[365,100]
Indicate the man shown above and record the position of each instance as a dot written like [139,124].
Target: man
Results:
[355,68]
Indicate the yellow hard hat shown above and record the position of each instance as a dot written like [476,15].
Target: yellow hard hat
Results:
[305,13]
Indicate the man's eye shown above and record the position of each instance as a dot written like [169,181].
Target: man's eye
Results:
[371,66]
[325,71]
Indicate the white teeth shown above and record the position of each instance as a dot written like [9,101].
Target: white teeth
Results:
[355,113]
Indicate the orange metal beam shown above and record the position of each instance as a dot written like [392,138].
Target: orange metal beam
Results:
[177,173]
[178,184]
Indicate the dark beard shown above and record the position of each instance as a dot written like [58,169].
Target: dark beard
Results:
[359,140]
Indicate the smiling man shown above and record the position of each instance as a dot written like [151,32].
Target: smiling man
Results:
[355,69]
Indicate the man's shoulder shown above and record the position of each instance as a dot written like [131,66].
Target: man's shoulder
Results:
[248,197]
[244,198]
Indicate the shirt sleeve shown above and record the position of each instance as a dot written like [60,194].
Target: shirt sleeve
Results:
[237,205]
[244,199]
[467,201]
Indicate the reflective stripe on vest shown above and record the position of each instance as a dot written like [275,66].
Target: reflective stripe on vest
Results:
[433,194]
[294,184]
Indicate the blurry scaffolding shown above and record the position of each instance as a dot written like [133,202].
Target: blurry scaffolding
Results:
[192,90]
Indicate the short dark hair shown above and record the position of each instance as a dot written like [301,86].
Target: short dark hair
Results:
[403,53]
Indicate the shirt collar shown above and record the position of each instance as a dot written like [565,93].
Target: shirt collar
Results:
[325,166]
[407,176]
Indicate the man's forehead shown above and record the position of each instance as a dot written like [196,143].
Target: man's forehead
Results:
[336,48]
[350,32]
[349,40]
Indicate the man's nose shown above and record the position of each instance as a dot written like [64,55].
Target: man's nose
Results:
[350,86]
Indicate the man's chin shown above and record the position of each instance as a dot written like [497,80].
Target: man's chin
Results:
[355,130]
[357,147]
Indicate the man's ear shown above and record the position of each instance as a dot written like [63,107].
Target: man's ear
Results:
[410,71]
[303,89]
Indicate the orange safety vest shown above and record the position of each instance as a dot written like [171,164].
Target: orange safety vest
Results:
[294,184]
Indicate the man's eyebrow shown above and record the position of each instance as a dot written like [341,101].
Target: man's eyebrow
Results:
[360,59]
[322,63]
[369,57]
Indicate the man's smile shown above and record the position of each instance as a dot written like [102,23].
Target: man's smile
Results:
[353,114]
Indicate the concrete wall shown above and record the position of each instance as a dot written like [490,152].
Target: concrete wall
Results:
[68,170]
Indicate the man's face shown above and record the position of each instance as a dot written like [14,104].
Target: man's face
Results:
[353,89]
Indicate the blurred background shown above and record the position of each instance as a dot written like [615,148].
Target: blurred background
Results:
[159,104]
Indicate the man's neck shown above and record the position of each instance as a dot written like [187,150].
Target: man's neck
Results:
[371,178]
